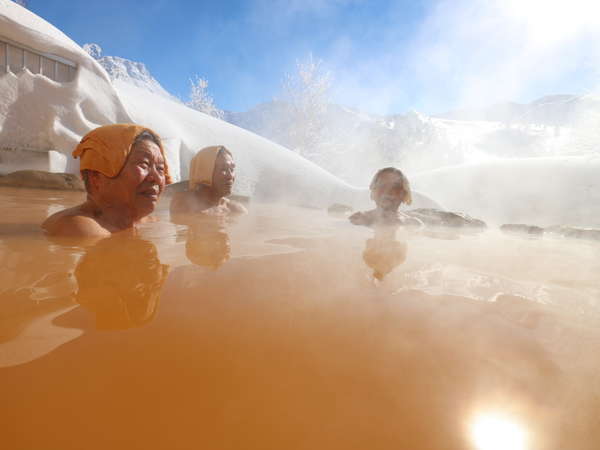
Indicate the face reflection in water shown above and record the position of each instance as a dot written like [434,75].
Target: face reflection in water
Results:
[120,280]
[495,431]
[207,243]
[383,253]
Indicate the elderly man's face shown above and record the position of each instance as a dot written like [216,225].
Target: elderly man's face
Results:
[223,174]
[139,184]
[388,191]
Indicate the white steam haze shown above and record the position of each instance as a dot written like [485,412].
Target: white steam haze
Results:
[465,56]
[475,53]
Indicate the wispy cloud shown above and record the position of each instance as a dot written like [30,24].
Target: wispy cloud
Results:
[467,53]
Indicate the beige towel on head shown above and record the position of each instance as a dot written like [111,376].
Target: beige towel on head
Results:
[203,166]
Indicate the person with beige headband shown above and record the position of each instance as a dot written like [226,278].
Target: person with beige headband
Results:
[389,189]
[125,171]
[212,174]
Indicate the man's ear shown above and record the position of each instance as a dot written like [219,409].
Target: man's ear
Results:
[372,195]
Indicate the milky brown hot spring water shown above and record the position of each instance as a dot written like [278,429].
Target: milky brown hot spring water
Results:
[273,333]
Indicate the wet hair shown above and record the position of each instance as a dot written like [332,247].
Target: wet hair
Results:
[381,172]
[408,196]
[147,135]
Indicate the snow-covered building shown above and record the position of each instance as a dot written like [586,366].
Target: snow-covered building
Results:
[15,57]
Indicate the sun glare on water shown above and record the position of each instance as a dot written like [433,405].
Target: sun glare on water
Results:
[492,431]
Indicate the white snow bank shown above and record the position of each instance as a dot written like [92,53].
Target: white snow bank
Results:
[537,191]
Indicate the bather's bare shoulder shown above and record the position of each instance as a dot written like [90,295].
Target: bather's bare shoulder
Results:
[236,207]
[73,222]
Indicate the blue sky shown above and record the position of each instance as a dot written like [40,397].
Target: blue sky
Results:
[385,56]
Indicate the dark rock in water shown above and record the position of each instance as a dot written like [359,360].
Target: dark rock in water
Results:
[39,179]
[337,209]
[436,217]
[522,229]
[577,233]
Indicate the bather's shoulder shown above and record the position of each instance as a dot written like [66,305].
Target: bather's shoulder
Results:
[73,222]
[236,207]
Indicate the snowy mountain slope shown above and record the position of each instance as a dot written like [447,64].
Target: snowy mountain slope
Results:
[128,71]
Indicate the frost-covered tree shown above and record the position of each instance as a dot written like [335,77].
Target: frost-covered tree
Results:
[201,100]
[307,91]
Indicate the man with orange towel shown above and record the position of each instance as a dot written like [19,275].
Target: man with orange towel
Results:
[125,171]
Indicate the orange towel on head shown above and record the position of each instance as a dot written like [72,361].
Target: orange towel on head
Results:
[203,166]
[106,148]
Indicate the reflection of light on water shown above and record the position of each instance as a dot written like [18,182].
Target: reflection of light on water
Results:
[497,432]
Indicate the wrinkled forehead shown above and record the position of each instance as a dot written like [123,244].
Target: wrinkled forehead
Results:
[224,158]
[147,148]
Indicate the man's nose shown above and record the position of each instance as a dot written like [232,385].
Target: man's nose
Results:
[153,174]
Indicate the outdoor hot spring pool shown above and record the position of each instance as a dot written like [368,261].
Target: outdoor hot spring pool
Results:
[273,333]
